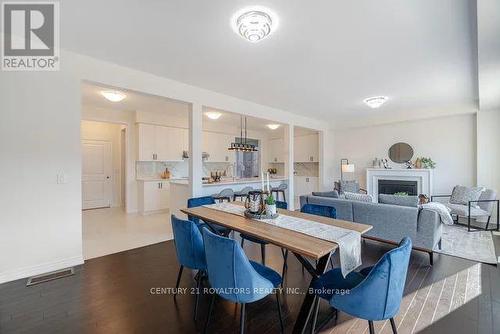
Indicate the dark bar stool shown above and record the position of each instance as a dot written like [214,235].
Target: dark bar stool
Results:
[225,195]
[243,193]
[280,190]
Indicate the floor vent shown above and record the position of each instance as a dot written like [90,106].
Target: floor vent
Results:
[50,276]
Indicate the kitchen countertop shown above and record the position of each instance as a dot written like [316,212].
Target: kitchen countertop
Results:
[230,181]
[242,181]
[159,179]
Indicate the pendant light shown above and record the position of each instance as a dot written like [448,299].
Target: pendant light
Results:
[243,145]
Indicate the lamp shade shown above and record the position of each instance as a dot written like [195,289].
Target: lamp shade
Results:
[348,168]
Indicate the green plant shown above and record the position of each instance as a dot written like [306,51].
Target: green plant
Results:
[270,200]
[428,163]
[401,193]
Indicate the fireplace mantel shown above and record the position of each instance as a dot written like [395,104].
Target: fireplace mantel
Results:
[422,176]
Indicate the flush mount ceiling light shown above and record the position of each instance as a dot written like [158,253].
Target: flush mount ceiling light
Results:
[113,95]
[254,23]
[273,126]
[213,115]
[375,101]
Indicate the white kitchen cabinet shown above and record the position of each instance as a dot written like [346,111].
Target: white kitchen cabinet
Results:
[146,141]
[161,143]
[153,196]
[216,145]
[276,150]
[306,148]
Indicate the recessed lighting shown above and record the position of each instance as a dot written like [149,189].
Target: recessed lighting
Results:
[273,126]
[375,101]
[213,114]
[113,96]
[254,23]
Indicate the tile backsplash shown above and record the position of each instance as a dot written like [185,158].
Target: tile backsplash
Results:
[153,169]
[217,166]
[306,168]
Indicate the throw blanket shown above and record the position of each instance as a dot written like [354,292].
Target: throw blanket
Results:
[349,241]
[441,209]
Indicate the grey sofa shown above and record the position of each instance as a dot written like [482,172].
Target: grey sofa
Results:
[391,223]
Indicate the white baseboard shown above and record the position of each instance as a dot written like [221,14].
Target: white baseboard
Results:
[38,269]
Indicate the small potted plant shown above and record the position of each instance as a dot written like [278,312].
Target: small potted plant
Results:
[270,205]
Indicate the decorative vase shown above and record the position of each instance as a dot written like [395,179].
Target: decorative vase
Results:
[271,209]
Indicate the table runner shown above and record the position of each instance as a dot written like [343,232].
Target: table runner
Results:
[349,241]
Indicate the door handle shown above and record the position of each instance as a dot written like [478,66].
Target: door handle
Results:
[108,177]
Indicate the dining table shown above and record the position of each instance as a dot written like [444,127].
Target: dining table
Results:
[304,247]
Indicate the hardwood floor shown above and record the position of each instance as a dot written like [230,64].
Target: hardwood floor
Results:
[112,294]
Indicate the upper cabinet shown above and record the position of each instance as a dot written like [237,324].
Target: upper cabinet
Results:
[216,145]
[161,143]
[276,150]
[306,148]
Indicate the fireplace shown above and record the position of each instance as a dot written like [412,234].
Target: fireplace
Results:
[391,187]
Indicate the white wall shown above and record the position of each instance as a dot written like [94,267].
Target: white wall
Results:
[488,149]
[40,220]
[111,132]
[449,141]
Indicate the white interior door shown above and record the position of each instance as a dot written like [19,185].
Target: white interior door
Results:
[97,168]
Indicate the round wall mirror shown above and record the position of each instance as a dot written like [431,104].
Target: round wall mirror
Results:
[401,153]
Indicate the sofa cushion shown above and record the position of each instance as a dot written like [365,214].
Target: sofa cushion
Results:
[462,195]
[411,201]
[463,210]
[333,193]
[357,197]
[390,222]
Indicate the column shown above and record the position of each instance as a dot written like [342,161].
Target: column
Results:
[195,150]
[289,168]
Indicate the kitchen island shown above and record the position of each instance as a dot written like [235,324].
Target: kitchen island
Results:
[179,189]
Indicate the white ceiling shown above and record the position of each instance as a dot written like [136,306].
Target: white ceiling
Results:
[135,101]
[324,59]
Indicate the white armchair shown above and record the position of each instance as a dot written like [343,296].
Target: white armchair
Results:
[480,209]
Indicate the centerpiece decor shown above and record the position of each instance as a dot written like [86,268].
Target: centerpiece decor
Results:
[260,204]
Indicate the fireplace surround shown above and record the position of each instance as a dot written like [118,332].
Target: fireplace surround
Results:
[398,179]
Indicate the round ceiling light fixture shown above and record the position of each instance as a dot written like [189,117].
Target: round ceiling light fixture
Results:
[213,115]
[113,95]
[254,23]
[375,101]
[273,126]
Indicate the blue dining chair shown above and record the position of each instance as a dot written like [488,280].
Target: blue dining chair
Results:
[279,205]
[235,278]
[319,210]
[200,201]
[190,252]
[374,293]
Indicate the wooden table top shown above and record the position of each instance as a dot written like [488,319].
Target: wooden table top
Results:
[294,241]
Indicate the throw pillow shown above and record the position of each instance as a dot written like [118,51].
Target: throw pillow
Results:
[333,193]
[462,195]
[358,197]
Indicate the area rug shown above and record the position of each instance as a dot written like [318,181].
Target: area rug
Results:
[476,245]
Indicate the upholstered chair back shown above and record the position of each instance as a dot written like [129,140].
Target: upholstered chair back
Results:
[230,272]
[319,210]
[199,201]
[488,194]
[379,295]
[188,244]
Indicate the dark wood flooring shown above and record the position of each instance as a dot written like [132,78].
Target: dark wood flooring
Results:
[112,294]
